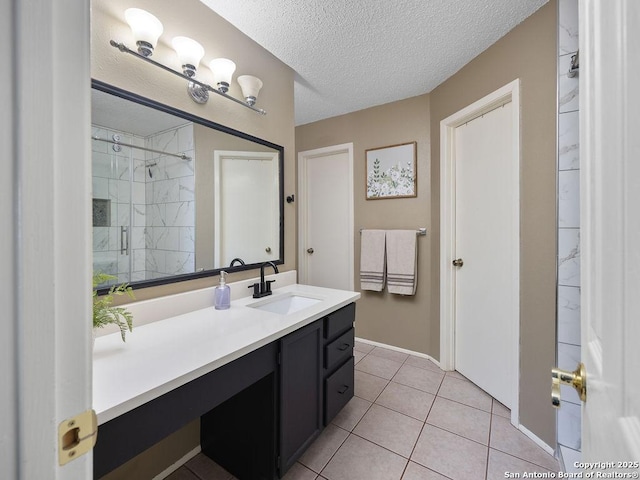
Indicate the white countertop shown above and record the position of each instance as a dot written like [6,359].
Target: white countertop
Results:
[161,356]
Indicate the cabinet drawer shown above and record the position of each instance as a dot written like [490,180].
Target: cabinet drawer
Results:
[338,390]
[339,321]
[339,350]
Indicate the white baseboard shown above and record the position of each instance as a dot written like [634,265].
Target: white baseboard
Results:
[398,349]
[537,440]
[185,458]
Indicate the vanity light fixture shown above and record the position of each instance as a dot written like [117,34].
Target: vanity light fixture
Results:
[147,29]
[190,53]
[250,87]
[222,69]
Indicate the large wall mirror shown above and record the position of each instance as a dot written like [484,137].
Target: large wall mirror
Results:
[177,197]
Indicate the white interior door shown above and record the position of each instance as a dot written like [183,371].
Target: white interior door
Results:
[246,186]
[610,268]
[325,217]
[484,240]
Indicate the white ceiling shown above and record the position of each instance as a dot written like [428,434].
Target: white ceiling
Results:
[353,54]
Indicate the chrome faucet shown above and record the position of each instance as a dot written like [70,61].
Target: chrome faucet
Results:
[262,289]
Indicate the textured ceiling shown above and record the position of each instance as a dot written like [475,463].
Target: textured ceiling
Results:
[350,55]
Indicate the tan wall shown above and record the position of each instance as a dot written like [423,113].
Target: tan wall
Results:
[391,319]
[528,52]
[207,141]
[219,38]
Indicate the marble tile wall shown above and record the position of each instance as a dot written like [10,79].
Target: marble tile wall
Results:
[170,204]
[112,180]
[569,429]
[155,201]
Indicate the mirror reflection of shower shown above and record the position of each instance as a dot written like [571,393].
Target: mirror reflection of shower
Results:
[144,215]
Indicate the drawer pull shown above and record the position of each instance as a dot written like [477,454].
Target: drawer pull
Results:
[343,389]
[344,347]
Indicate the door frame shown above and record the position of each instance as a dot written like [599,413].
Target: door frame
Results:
[218,157]
[303,158]
[47,376]
[507,93]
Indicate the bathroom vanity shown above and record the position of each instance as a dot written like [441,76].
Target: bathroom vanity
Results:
[264,377]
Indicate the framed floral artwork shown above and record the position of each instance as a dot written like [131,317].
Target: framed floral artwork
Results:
[391,171]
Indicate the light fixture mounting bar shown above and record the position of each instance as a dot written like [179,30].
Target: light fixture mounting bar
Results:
[123,48]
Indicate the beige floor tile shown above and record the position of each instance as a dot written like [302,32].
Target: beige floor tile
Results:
[206,468]
[450,455]
[363,347]
[378,366]
[425,363]
[465,392]
[467,421]
[500,464]
[351,414]
[183,473]
[389,354]
[457,375]
[389,429]
[500,409]
[359,459]
[320,452]
[369,386]
[300,472]
[426,380]
[415,471]
[508,439]
[358,356]
[407,400]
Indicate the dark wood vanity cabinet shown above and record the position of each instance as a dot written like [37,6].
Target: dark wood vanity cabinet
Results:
[338,373]
[300,392]
[316,381]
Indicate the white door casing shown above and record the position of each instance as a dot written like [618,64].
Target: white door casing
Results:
[508,93]
[50,269]
[240,190]
[484,241]
[610,229]
[325,217]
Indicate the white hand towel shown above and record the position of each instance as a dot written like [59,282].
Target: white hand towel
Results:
[402,256]
[372,260]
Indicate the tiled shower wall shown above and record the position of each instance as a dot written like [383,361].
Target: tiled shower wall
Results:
[569,419]
[163,208]
[170,205]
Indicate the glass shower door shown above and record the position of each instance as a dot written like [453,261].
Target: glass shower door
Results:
[113,192]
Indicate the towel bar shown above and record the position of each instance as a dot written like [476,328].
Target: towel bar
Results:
[419,231]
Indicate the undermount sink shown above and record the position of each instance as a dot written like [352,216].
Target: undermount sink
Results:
[285,304]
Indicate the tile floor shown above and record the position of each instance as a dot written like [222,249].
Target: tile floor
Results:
[409,420]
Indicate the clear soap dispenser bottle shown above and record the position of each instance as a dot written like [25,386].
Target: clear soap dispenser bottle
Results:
[223,293]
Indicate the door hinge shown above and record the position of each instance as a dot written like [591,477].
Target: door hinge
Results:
[77,436]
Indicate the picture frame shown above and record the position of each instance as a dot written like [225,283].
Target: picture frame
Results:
[391,172]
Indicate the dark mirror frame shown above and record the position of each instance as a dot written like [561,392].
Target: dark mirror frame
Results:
[104,87]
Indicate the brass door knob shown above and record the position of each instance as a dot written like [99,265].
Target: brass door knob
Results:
[458,262]
[577,379]
[309,250]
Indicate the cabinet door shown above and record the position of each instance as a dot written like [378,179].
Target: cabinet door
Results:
[300,392]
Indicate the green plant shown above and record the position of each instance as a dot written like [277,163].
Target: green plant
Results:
[106,314]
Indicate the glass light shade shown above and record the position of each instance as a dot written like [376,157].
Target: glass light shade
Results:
[250,88]
[146,29]
[222,69]
[189,53]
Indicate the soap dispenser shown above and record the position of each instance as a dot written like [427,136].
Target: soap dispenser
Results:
[223,293]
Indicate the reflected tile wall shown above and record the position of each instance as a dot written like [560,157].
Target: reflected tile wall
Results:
[160,197]
[170,209]
[568,322]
